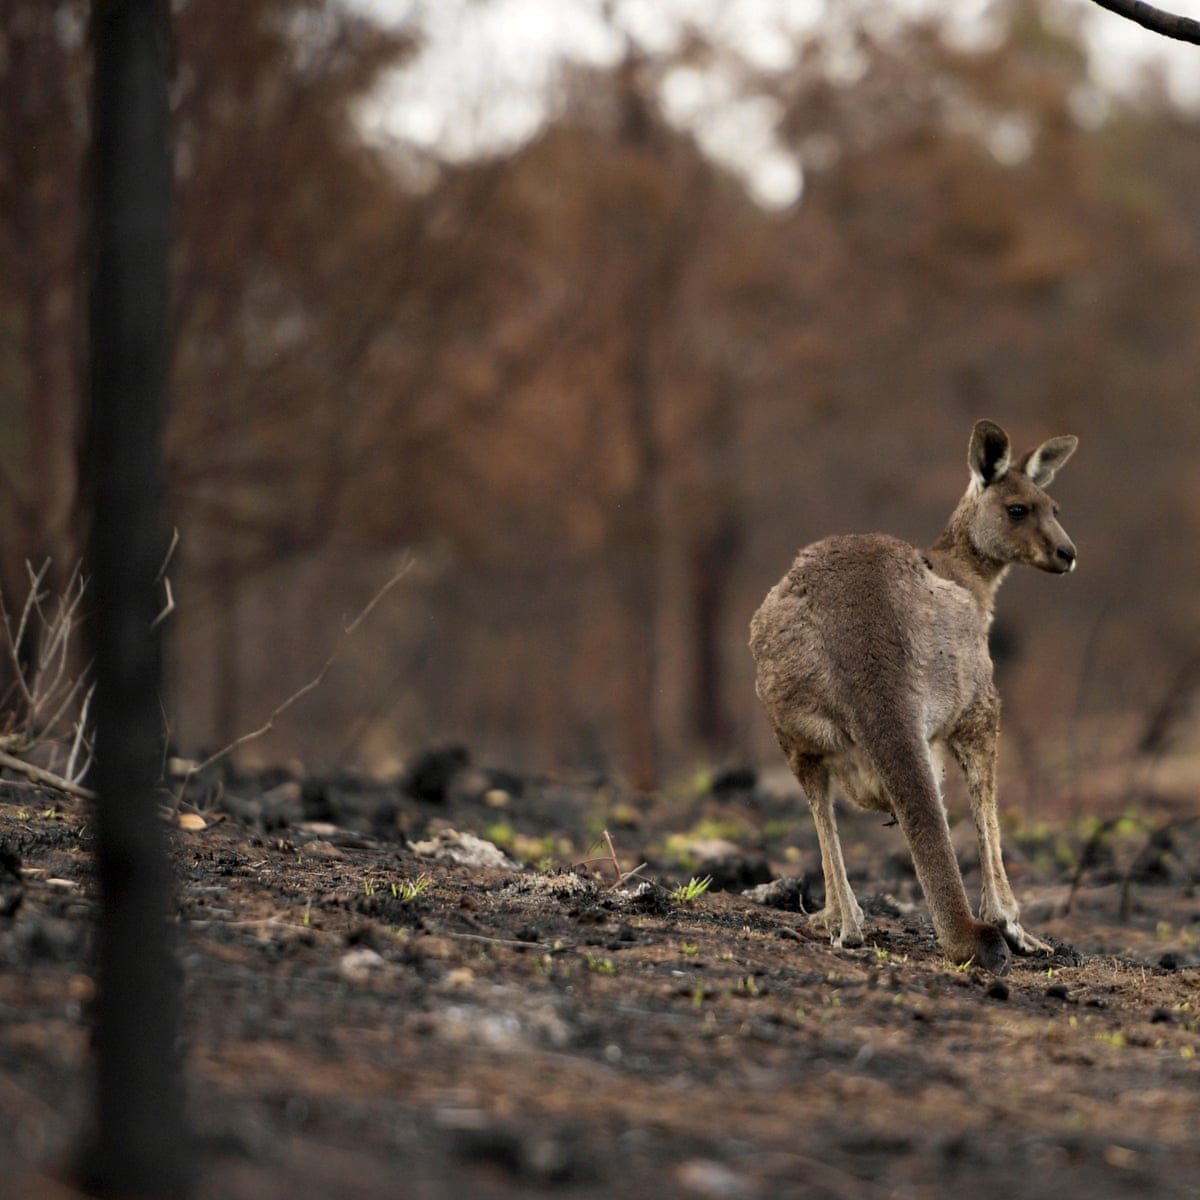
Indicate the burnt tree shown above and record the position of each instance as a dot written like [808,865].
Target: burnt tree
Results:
[138,1147]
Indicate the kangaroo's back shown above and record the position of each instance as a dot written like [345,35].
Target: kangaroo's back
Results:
[863,621]
[869,650]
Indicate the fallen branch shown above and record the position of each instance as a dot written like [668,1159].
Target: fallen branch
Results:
[310,686]
[46,778]
[516,943]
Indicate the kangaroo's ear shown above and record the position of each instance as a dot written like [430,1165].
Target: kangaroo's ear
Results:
[1044,462]
[990,454]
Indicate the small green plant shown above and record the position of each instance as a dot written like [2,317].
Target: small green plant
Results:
[369,888]
[410,889]
[690,949]
[307,917]
[688,892]
[601,966]
[22,815]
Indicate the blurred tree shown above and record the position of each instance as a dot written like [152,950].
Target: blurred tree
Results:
[140,1146]
[604,396]
[291,261]
[42,131]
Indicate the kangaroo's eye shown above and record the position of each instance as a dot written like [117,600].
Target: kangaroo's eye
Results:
[1018,512]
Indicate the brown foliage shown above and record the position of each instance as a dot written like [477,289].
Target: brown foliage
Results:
[601,397]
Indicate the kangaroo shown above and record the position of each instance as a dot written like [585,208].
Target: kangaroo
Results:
[871,654]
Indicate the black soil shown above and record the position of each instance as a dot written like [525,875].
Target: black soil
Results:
[372,1009]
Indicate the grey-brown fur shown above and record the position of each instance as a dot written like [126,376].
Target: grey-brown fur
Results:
[871,653]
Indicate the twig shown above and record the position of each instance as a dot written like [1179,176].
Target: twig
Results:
[1155,19]
[40,681]
[48,778]
[623,877]
[310,686]
[79,740]
[516,943]
[59,636]
[71,693]
[169,554]
[169,606]
[15,641]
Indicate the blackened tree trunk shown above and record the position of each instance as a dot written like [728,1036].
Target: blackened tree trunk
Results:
[139,1147]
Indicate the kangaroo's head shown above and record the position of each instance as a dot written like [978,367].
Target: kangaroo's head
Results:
[1010,518]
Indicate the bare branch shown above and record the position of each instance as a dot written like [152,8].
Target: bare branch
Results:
[1171,25]
[79,740]
[623,877]
[165,579]
[169,554]
[46,778]
[46,687]
[73,691]
[17,639]
[310,686]
[168,609]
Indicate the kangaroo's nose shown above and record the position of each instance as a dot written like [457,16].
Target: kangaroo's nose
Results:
[1066,555]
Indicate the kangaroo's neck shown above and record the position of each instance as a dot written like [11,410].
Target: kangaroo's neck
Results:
[955,557]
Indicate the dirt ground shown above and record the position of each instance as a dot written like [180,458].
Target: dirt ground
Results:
[378,1004]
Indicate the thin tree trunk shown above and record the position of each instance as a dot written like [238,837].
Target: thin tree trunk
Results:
[639,533]
[139,1147]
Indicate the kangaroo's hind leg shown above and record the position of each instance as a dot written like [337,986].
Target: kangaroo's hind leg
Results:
[904,765]
[842,917]
[973,744]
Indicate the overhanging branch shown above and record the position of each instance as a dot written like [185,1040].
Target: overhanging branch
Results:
[1171,25]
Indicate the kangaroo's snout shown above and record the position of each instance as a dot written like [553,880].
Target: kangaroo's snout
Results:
[1065,557]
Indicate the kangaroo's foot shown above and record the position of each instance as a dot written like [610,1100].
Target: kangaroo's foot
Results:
[1022,942]
[1006,918]
[841,924]
[991,950]
[978,944]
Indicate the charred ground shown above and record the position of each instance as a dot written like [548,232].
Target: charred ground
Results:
[377,1003]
